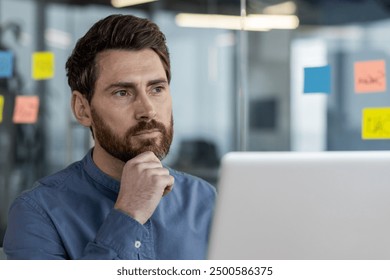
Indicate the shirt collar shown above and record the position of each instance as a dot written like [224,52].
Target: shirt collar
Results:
[99,176]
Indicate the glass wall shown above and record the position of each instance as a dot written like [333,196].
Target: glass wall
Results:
[232,89]
[349,116]
[203,88]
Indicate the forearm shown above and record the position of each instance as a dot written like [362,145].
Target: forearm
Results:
[32,235]
[119,237]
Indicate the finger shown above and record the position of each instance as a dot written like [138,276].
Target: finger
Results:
[144,161]
[145,157]
[169,187]
[143,166]
[167,190]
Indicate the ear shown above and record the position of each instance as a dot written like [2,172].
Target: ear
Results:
[81,109]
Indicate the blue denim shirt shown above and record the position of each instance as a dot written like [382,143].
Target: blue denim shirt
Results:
[70,215]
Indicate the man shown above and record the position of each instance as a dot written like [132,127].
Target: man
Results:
[119,202]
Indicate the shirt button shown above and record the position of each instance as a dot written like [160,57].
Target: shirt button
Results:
[137,244]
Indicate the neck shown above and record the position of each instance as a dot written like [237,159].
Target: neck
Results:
[107,163]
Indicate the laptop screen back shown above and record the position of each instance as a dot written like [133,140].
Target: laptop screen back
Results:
[293,205]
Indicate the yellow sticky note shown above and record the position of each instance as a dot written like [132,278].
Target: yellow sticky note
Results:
[26,109]
[370,76]
[376,123]
[1,107]
[42,65]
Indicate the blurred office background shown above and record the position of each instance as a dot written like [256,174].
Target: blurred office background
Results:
[236,87]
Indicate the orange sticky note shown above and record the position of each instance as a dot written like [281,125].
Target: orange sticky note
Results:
[376,123]
[26,109]
[42,65]
[1,107]
[370,76]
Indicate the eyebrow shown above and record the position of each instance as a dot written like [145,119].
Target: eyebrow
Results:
[133,85]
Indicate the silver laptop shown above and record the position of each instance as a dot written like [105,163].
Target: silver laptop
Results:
[303,205]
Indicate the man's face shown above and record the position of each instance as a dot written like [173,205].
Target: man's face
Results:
[132,108]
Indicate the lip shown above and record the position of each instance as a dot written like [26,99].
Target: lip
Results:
[145,132]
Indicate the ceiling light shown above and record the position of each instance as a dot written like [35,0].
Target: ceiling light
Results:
[271,21]
[58,38]
[126,3]
[285,8]
[250,23]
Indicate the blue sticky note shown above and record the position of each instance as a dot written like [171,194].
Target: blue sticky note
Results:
[6,64]
[317,79]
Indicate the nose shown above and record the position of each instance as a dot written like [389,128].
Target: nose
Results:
[144,109]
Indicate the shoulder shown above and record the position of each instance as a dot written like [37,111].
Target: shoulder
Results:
[51,184]
[60,178]
[50,192]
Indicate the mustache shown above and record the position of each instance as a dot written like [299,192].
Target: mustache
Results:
[141,126]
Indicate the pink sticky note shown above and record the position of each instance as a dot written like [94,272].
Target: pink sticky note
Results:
[370,76]
[26,109]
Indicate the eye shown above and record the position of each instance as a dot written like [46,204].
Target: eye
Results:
[158,89]
[121,93]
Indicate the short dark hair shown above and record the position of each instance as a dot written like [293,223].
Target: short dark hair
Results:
[123,32]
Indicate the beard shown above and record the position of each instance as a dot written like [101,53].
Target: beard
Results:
[126,147]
